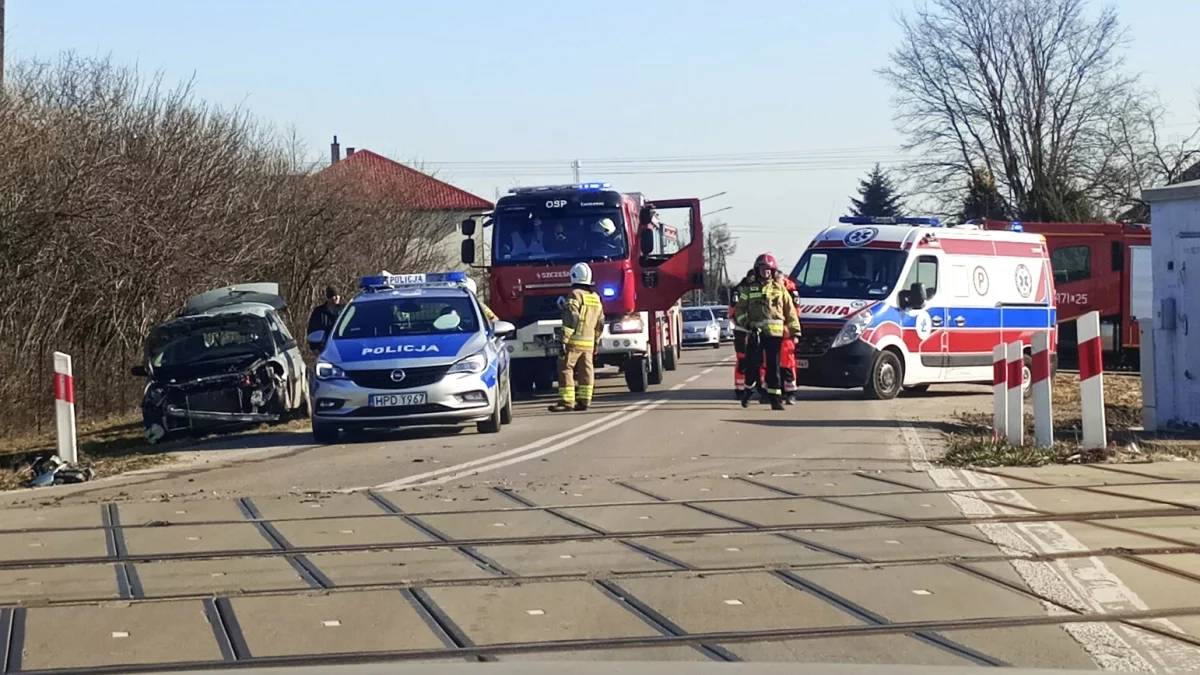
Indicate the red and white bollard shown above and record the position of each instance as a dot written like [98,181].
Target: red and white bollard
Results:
[64,408]
[1091,381]
[1043,415]
[999,393]
[1014,415]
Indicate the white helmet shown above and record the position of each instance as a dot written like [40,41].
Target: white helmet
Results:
[605,226]
[581,273]
[471,286]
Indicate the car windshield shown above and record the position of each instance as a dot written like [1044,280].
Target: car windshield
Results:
[399,317]
[207,339]
[697,315]
[850,273]
[524,237]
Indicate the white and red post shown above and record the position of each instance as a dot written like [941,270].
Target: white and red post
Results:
[999,392]
[1014,416]
[64,408]
[1091,381]
[1043,416]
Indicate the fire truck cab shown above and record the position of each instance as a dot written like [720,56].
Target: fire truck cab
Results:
[642,266]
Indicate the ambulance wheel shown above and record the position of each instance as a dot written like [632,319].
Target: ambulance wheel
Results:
[916,389]
[656,368]
[637,374]
[887,375]
[670,360]
[506,411]
[1027,376]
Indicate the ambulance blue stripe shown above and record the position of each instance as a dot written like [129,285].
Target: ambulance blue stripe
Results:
[1016,318]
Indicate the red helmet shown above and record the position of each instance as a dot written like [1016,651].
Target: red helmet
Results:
[766,260]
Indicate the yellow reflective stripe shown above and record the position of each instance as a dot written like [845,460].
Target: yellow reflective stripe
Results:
[585,343]
[776,392]
[583,392]
[754,295]
[592,300]
[566,395]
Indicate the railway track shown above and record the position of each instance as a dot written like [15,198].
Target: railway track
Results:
[612,585]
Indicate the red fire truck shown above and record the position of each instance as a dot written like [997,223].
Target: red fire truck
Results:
[642,267]
[1102,267]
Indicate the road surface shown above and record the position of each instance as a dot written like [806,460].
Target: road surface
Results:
[673,526]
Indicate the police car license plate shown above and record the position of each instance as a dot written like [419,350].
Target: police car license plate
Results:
[395,400]
[802,363]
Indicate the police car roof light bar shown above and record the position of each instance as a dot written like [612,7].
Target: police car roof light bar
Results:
[434,280]
[888,220]
[583,187]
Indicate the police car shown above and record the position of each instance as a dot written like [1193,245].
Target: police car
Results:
[411,350]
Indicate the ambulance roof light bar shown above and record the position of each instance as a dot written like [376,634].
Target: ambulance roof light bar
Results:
[387,281]
[583,187]
[888,220]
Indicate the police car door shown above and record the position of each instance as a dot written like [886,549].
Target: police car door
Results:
[925,328]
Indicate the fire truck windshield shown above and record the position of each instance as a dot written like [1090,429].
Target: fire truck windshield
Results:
[523,237]
[849,273]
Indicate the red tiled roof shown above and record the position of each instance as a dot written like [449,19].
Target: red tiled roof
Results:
[379,175]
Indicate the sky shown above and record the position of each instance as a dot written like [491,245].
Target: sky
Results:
[774,103]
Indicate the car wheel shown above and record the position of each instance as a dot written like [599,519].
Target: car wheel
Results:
[492,424]
[887,377]
[324,434]
[506,413]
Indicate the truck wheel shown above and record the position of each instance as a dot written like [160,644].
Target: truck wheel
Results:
[670,362]
[887,376]
[656,368]
[637,374]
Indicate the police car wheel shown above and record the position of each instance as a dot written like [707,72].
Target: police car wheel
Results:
[886,377]
[492,424]
[324,433]
[506,412]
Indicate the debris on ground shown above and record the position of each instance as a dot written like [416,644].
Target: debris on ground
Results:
[970,439]
[50,470]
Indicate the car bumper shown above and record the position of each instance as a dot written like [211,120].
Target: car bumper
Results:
[844,367]
[456,399]
[701,338]
[211,416]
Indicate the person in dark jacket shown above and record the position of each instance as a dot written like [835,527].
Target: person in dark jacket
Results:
[325,315]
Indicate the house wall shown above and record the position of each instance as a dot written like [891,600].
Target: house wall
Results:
[1175,252]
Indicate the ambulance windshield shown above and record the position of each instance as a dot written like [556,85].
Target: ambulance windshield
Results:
[849,273]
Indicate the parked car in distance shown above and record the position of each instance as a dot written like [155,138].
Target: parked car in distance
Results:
[725,321]
[700,327]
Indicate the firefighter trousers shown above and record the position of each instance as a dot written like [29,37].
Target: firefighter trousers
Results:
[760,349]
[576,376]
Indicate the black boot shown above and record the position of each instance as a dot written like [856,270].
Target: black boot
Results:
[562,406]
[581,406]
[776,402]
[745,395]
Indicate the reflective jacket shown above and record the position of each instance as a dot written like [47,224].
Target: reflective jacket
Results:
[767,307]
[583,320]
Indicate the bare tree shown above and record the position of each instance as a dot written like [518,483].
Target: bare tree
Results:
[719,246]
[121,197]
[1024,90]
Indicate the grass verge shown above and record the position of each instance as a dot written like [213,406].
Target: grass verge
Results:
[970,440]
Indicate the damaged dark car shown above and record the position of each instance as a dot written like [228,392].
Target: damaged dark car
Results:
[227,360]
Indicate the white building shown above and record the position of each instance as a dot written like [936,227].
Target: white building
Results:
[1171,367]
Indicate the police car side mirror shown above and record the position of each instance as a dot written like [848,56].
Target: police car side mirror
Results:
[468,227]
[646,242]
[503,328]
[138,371]
[468,251]
[315,340]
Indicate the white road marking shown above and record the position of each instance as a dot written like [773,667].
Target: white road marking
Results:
[1086,585]
[501,455]
[562,445]
[692,379]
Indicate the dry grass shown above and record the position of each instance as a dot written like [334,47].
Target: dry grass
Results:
[971,441]
[108,448]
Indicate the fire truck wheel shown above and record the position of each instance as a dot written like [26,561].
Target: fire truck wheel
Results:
[886,378]
[670,361]
[637,374]
[656,368]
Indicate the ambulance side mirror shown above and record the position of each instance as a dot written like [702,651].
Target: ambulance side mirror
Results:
[915,297]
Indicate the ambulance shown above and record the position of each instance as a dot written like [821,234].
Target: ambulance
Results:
[899,304]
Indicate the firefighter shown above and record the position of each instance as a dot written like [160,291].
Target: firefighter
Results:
[473,289]
[766,311]
[583,323]
[787,356]
[739,337]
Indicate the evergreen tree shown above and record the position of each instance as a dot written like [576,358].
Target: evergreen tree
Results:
[983,199]
[877,196]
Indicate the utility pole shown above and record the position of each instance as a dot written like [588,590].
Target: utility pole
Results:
[574,167]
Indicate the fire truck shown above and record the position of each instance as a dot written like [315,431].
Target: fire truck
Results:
[640,267]
[1102,267]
